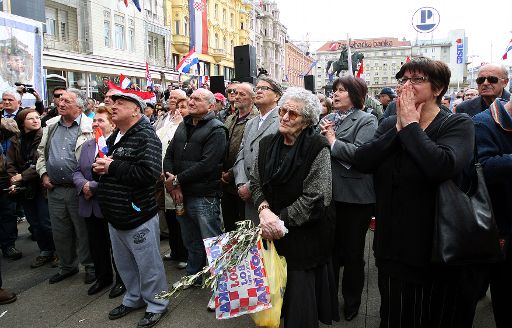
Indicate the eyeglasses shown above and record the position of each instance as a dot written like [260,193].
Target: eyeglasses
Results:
[490,79]
[292,115]
[231,91]
[263,88]
[413,80]
[57,95]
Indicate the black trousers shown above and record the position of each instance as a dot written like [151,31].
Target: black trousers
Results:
[352,221]
[233,210]
[447,299]
[501,289]
[178,250]
[100,247]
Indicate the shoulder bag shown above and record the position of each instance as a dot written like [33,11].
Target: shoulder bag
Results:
[465,231]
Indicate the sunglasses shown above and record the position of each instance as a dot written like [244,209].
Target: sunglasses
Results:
[231,90]
[292,115]
[490,79]
[263,88]
[57,95]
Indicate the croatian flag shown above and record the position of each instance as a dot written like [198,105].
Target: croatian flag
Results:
[188,61]
[124,81]
[509,47]
[101,143]
[135,2]
[198,26]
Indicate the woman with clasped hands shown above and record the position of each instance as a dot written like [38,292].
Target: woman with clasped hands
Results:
[410,155]
[291,188]
[346,129]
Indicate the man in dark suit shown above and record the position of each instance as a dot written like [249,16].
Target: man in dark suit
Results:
[492,80]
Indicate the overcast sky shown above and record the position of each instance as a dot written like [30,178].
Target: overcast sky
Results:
[485,22]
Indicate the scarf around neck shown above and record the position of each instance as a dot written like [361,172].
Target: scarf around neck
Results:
[280,172]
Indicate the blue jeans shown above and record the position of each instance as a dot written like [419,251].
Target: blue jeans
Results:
[201,220]
[36,211]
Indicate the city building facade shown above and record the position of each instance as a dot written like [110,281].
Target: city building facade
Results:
[227,27]
[384,56]
[87,40]
[268,35]
[297,64]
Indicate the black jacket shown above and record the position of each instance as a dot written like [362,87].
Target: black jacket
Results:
[195,155]
[127,193]
[408,167]
[477,104]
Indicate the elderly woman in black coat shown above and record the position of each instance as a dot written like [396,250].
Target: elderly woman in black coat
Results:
[291,186]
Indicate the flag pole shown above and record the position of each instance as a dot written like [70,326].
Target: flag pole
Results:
[349,57]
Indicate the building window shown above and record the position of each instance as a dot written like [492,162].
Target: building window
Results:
[51,21]
[106,28]
[131,35]
[232,20]
[225,44]
[185,27]
[230,50]
[63,19]
[119,35]
[216,12]
[177,27]
[216,41]
[224,16]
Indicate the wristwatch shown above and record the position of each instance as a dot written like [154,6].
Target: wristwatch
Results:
[175,182]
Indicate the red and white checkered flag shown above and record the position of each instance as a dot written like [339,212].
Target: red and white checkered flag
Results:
[199,5]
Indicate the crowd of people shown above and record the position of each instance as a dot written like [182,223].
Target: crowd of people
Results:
[313,171]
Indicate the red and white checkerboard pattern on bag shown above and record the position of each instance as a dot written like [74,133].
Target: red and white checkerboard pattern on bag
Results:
[243,289]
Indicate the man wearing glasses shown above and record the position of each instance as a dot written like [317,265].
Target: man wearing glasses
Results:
[492,80]
[52,112]
[268,92]
[230,105]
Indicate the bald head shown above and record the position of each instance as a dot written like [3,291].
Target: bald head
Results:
[244,98]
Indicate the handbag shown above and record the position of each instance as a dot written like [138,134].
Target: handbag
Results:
[465,231]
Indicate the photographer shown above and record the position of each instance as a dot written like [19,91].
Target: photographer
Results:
[28,88]
[21,159]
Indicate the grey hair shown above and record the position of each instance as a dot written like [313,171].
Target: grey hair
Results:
[81,98]
[312,107]
[182,93]
[12,92]
[250,87]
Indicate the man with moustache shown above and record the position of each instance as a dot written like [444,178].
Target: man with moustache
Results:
[233,208]
[492,80]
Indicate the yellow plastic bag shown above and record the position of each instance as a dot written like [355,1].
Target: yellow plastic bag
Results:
[275,266]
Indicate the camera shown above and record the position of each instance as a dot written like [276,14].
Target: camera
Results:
[28,88]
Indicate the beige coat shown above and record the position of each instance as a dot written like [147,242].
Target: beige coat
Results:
[85,134]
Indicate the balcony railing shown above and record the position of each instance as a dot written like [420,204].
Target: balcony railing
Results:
[218,54]
[50,42]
